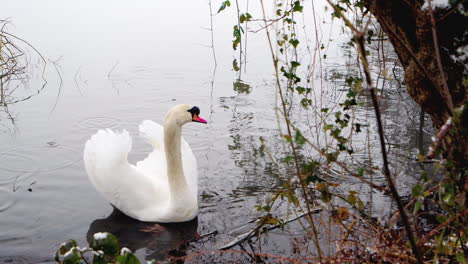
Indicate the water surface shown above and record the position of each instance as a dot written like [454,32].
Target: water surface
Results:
[121,63]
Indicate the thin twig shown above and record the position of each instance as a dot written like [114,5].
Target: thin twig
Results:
[388,177]
[437,228]
[212,34]
[288,126]
[445,89]
[251,233]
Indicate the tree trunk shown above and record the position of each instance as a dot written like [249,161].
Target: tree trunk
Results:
[435,80]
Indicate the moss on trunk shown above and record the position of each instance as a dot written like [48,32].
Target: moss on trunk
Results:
[440,94]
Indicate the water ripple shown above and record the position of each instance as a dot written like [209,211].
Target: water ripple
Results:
[37,158]
[7,177]
[99,122]
[6,200]
[15,260]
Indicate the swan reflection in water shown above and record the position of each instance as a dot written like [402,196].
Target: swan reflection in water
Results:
[160,240]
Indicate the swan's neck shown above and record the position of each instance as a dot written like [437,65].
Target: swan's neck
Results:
[175,171]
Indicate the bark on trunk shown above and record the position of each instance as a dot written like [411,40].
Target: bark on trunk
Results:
[439,93]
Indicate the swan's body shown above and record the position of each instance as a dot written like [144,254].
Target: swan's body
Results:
[162,187]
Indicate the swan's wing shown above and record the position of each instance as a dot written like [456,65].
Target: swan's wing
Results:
[153,133]
[155,163]
[122,184]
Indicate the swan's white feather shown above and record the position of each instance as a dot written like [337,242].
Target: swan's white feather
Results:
[153,133]
[140,191]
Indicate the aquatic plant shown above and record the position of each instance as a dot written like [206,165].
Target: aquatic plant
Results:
[14,72]
[103,249]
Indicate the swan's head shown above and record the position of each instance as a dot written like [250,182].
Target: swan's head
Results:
[182,114]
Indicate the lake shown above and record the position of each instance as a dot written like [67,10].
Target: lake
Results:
[113,64]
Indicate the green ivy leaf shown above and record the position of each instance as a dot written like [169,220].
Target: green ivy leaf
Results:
[269,220]
[418,190]
[66,246]
[293,199]
[224,5]
[361,171]
[352,199]
[299,138]
[127,257]
[300,89]
[424,174]
[100,259]
[235,66]
[441,219]
[460,257]
[106,242]
[360,204]
[325,195]
[294,64]
[244,17]
[297,6]
[313,178]
[294,42]
[71,257]
[237,36]
[449,199]
[306,102]
[417,206]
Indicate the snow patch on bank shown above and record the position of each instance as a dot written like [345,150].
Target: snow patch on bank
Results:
[436,4]
[99,236]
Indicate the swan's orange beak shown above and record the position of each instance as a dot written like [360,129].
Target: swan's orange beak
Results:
[198,119]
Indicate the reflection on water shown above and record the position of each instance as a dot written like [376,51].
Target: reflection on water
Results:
[241,87]
[158,241]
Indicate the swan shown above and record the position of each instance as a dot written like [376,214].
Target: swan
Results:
[161,188]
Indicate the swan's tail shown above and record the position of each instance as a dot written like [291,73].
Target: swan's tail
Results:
[153,133]
[106,150]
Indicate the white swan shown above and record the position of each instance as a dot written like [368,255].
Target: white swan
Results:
[162,187]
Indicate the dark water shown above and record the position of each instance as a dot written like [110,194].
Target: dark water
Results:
[121,63]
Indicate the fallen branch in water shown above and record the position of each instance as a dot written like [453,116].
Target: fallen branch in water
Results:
[196,238]
[212,233]
[247,235]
